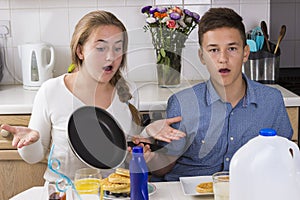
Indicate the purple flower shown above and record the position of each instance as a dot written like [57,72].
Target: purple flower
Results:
[146,9]
[175,15]
[161,9]
[188,12]
[196,16]
[152,10]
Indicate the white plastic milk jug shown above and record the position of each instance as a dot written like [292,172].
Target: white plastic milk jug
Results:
[266,168]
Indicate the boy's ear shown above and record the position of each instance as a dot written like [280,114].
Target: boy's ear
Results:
[200,54]
[246,53]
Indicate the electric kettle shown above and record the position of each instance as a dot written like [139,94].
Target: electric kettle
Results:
[37,61]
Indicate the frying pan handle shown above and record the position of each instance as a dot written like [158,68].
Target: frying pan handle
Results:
[153,147]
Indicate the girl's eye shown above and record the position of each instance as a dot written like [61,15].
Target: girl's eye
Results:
[101,49]
[118,49]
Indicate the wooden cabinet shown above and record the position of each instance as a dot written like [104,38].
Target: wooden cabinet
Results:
[293,113]
[15,174]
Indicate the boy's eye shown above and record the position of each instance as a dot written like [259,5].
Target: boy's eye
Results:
[213,50]
[232,48]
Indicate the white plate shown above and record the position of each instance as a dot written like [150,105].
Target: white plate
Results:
[151,190]
[189,184]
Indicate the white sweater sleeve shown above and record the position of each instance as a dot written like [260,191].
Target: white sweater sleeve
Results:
[32,153]
[40,122]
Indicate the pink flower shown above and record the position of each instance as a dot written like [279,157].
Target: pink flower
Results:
[171,24]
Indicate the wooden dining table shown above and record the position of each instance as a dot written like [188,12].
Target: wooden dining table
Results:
[164,191]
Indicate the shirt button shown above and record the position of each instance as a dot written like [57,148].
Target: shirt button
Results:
[227,159]
[202,141]
[231,113]
[231,138]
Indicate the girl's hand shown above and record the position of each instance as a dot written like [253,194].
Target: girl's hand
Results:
[138,142]
[23,136]
[161,130]
[148,155]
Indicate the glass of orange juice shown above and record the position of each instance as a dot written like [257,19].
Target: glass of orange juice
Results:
[87,183]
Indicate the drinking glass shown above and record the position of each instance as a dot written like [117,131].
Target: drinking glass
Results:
[221,185]
[53,193]
[87,183]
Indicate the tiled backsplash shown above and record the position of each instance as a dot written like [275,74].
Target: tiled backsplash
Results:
[53,21]
[286,12]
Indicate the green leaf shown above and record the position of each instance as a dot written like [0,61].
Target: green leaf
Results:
[162,52]
[168,61]
[158,58]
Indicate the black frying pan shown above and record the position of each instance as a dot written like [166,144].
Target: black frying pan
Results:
[96,138]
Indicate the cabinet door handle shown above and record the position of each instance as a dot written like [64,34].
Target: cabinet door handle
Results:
[5,133]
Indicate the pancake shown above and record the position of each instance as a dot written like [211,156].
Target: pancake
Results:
[123,172]
[206,187]
[106,185]
[117,178]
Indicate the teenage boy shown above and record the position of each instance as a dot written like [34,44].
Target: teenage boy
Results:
[222,114]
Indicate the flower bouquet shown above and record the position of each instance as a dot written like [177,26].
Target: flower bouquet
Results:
[169,28]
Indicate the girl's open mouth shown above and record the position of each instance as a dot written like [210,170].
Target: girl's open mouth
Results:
[107,68]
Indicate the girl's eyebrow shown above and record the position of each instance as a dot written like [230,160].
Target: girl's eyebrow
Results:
[101,40]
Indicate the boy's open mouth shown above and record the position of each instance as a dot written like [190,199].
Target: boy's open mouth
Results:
[224,70]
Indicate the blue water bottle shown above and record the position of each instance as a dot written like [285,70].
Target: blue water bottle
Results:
[138,175]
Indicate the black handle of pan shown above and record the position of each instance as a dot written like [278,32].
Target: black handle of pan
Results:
[153,147]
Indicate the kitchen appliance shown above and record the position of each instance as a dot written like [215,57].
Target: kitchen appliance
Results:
[37,61]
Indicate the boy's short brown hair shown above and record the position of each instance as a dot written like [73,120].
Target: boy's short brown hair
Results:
[221,17]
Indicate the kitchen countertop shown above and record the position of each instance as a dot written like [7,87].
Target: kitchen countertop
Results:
[15,100]
[153,97]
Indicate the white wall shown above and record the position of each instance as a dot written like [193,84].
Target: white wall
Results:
[53,21]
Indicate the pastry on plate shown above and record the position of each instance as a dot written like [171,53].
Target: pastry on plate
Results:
[117,178]
[123,172]
[106,185]
[205,187]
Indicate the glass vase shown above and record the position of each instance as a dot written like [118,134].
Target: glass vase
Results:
[169,69]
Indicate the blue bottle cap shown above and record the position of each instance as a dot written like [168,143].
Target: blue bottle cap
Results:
[137,149]
[267,132]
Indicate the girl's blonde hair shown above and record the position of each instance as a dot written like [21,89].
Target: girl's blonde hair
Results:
[86,25]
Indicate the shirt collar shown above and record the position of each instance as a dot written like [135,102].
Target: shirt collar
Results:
[250,96]
[212,95]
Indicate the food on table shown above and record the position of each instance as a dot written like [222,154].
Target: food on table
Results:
[117,178]
[117,184]
[206,187]
[123,172]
